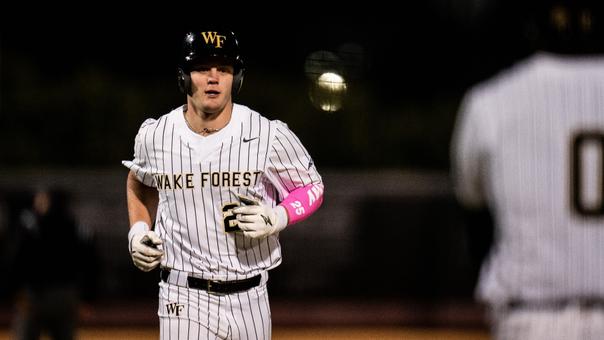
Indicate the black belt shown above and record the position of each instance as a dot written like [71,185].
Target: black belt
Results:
[221,287]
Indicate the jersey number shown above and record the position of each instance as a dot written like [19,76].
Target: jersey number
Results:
[582,143]
[229,218]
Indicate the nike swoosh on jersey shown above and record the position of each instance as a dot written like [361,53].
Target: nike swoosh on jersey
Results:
[245,140]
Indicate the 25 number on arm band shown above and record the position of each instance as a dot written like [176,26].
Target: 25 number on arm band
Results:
[303,202]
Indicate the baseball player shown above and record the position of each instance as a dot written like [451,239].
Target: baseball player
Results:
[529,144]
[211,186]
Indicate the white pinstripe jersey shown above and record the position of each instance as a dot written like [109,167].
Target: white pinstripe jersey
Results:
[530,144]
[195,177]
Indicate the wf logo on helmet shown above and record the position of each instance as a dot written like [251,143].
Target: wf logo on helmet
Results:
[213,38]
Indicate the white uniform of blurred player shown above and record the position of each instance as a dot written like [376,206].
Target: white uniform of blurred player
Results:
[529,144]
[220,181]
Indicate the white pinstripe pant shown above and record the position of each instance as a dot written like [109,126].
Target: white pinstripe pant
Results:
[570,323]
[187,313]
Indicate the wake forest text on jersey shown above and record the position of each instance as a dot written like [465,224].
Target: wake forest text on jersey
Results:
[215,179]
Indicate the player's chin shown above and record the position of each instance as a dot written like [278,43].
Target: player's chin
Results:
[213,105]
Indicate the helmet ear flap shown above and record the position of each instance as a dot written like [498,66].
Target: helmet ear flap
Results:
[184,81]
[237,82]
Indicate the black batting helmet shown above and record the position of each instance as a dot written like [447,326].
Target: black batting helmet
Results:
[201,46]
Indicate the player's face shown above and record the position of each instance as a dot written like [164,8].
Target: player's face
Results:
[211,85]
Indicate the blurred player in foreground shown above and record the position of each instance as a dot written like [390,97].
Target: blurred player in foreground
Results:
[529,145]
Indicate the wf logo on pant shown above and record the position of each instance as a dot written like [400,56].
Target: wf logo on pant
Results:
[175,308]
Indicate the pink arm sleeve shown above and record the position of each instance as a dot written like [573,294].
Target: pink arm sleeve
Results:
[303,202]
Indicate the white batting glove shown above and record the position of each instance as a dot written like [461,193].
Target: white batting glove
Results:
[142,244]
[257,220]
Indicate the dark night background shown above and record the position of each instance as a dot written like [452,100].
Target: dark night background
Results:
[75,88]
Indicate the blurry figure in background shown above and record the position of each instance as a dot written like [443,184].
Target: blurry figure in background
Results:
[53,267]
[529,145]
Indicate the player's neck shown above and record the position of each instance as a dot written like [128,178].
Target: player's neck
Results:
[206,123]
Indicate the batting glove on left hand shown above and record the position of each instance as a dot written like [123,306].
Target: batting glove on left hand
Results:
[257,220]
